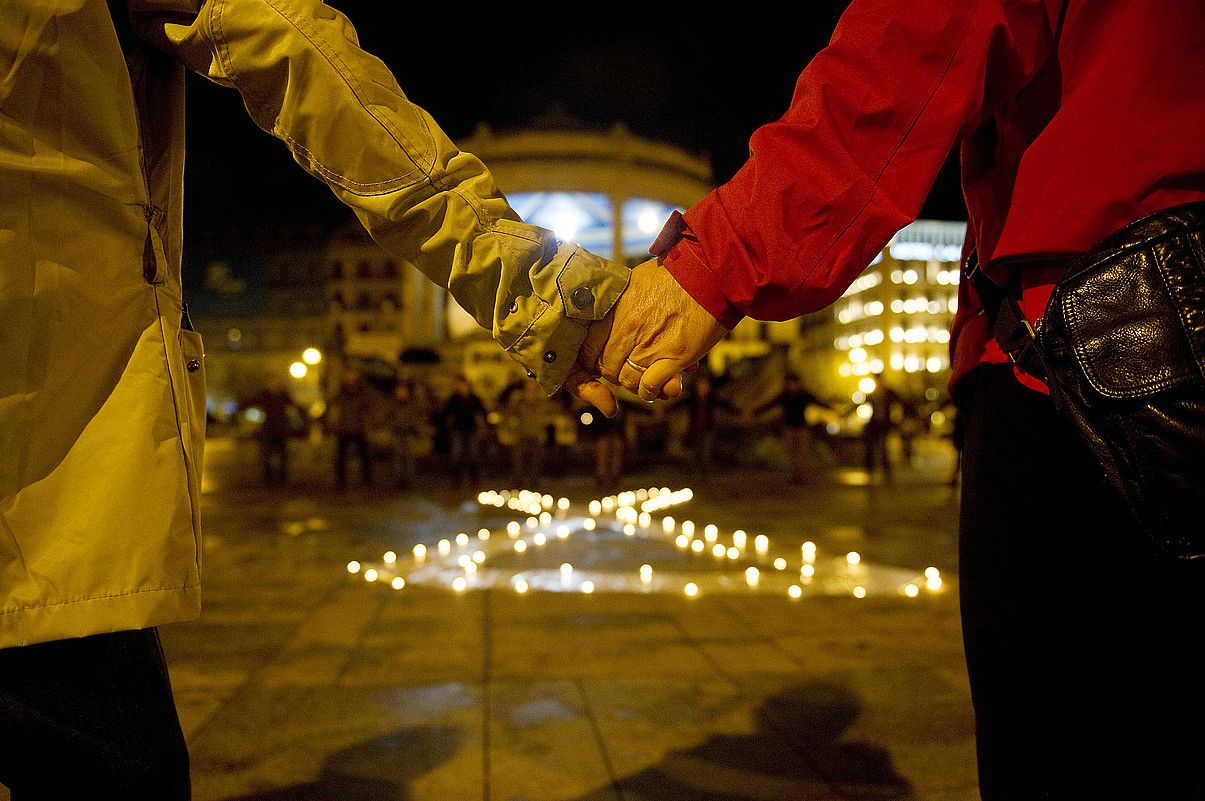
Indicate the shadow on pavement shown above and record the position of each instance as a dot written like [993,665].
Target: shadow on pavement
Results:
[377,770]
[797,753]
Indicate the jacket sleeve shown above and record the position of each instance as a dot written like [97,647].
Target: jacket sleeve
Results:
[872,119]
[304,79]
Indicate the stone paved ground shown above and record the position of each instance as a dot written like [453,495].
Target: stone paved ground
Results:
[304,682]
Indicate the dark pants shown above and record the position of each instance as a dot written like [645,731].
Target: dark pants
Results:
[274,460]
[1085,652]
[345,443]
[91,718]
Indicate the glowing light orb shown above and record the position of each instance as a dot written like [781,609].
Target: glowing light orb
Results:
[311,356]
[353,567]
[521,586]
[761,544]
[520,546]
[588,524]
[629,530]
[479,557]
[932,572]
[532,522]
[462,539]
[562,504]
[298,370]
[853,558]
[595,508]
[420,552]
[795,591]
[752,576]
[444,547]
[807,571]
[390,557]
[697,546]
[733,551]
[587,587]
[859,592]
[562,532]
[934,584]
[370,575]
[545,518]
[398,582]
[512,528]
[483,534]
[739,538]
[566,569]
[645,520]
[539,538]
[688,528]
[646,573]
[912,590]
[691,589]
[667,524]
[718,551]
[682,541]
[459,584]
[809,551]
[711,533]
[780,564]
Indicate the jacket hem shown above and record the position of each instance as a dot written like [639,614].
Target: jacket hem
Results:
[138,609]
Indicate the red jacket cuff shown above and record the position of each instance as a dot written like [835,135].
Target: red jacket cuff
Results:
[683,258]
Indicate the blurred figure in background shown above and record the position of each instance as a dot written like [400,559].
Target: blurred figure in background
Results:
[283,420]
[794,402]
[883,403]
[407,423]
[703,404]
[609,445]
[463,417]
[347,418]
[528,414]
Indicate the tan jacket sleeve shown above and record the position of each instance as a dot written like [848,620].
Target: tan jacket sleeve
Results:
[304,78]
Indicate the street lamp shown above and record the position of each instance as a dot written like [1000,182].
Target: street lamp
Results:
[311,356]
[297,370]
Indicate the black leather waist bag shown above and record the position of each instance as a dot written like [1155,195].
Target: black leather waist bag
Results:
[1122,347]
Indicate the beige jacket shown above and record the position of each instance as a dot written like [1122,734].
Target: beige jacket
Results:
[101,390]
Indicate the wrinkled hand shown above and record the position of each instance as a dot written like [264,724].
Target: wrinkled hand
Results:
[655,333]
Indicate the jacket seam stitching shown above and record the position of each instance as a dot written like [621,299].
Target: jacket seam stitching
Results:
[888,161]
[97,598]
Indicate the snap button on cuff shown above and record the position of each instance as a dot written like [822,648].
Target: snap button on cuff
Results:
[582,297]
[549,357]
[193,365]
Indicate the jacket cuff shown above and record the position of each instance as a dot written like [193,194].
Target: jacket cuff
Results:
[586,288]
[682,256]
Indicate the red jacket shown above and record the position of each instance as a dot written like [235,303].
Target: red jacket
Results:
[1058,148]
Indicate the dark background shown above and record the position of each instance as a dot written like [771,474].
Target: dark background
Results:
[703,80]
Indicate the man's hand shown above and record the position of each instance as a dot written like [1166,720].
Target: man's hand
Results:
[655,333]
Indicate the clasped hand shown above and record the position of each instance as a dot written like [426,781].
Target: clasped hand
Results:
[656,332]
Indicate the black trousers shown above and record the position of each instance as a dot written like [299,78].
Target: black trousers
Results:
[1086,652]
[91,718]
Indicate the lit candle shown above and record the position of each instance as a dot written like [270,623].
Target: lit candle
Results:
[682,541]
[912,590]
[532,522]
[390,557]
[483,534]
[691,589]
[853,558]
[859,592]
[587,587]
[595,508]
[688,528]
[562,504]
[629,530]
[462,539]
[780,564]
[809,552]
[752,575]
[478,556]
[353,567]
[370,575]
[420,552]
[795,591]
[545,518]
[740,539]
[645,519]
[697,546]
[733,551]
[667,524]
[710,532]
[445,547]
[761,544]
[807,571]
[562,532]
[718,551]
[398,582]
[588,524]
[646,573]
[520,546]
[512,528]
[459,583]
[539,538]
[520,586]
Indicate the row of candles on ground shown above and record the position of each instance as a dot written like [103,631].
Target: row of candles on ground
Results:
[623,506]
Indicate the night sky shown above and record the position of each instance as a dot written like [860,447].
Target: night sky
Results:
[701,80]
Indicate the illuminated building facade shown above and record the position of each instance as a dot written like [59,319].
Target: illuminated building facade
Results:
[893,323]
